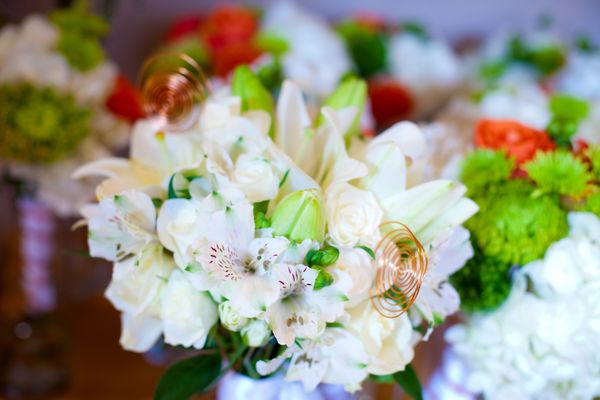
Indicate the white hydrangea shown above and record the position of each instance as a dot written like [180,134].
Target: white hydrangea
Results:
[542,342]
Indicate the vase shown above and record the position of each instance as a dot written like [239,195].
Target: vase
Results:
[449,381]
[235,386]
[34,356]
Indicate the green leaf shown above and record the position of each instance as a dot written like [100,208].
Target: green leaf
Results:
[409,382]
[416,29]
[324,279]
[261,221]
[382,378]
[272,43]
[366,47]
[369,251]
[188,377]
[568,107]
[322,258]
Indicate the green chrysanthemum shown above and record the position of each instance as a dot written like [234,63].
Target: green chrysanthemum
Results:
[483,283]
[592,204]
[558,172]
[593,153]
[483,168]
[515,227]
[80,33]
[38,124]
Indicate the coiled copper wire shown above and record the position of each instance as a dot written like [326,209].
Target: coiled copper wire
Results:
[401,263]
[173,87]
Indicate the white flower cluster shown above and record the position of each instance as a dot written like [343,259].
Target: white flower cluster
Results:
[28,54]
[215,224]
[542,343]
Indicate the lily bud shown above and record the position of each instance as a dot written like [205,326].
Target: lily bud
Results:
[248,87]
[299,216]
[352,92]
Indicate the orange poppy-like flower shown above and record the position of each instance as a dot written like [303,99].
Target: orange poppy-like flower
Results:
[519,141]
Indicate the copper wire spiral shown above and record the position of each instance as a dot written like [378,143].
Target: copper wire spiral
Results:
[401,263]
[173,87]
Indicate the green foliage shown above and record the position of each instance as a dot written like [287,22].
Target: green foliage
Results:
[324,279]
[484,168]
[366,47]
[492,70]
[515,227]
[545,59]
[593,153]
[584,44]
[249,88]
[567,113]
[558,172]
[271,75]
[416,29]
[188,377]
[80,33]
[483,283]
[322,258]
[39,125]
[409,382]
[272,43]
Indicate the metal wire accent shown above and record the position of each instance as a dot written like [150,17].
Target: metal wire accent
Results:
[401,263]
[173,87]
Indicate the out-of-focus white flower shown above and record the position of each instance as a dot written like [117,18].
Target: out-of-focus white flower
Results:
[353,215]
[187,314]
[540,344]
[428,67]
[357,263]
[316,58]
[255,333]
[230,318]
[581,76]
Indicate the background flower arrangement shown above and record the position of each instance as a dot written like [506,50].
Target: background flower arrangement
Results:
[61,104]
[258,247]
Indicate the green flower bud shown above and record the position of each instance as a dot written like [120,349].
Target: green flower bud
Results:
[299,216]
[351,93]
[322,258]
[249,88]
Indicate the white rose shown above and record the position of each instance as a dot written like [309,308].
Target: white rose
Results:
[353,215]
[178,228]
[230,318]
[358,264]
[187,314]
[37,33]
[255,177]
[389,342]
[256,333]
[137,282]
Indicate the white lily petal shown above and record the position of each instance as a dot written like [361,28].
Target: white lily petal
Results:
[407,135]
[450,218]
[388,170]
[292,120]
[139,333]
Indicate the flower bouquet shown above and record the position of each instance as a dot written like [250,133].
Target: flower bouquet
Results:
[527,290]
[410,73]
[61,104]
[280,243]
[283,41]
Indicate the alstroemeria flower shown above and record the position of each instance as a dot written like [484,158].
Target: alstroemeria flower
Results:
[327,359]
[520,141]
[302,311]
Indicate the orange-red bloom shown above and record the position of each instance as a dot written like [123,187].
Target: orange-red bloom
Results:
[519,141]
[124,100]
[229,25]
[390,102]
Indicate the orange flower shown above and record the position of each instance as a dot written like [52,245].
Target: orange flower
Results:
[519,141]
[233,55]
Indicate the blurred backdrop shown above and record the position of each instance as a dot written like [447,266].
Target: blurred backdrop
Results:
[137,25]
